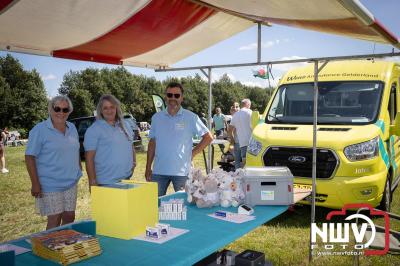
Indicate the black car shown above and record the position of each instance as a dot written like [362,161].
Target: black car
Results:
[83,123]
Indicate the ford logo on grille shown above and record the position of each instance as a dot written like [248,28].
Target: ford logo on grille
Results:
[297,159]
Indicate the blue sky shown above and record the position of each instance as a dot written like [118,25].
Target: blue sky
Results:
[279,42]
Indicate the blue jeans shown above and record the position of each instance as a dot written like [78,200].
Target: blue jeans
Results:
[219,133]
[237,155]
[163,182]
[243,151]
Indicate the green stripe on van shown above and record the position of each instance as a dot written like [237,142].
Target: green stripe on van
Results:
[381,125]
[393,154]
[383,152]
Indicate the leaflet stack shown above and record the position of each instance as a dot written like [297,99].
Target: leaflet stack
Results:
[66,246]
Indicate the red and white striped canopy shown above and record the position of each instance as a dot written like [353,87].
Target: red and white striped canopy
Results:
[159,33]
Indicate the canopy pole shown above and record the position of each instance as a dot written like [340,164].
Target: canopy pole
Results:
[314,154]
[314,157]
[210,157]
[306,60]
[208,76]
[258,42]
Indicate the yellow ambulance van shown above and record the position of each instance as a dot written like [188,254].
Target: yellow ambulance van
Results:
[357,135]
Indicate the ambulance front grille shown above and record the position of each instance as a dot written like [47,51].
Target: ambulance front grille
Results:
[299,161]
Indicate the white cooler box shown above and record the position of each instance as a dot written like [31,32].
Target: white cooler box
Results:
[268,186]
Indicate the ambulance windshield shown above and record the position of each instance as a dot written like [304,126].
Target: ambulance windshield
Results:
[339,102]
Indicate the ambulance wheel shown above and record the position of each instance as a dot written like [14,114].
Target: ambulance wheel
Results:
[386,198]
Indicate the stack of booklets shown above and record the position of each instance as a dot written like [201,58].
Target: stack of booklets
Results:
[65,246]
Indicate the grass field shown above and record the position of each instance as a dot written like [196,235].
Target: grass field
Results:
[284,240]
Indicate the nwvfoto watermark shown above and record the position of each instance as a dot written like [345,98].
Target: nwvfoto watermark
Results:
[337,235]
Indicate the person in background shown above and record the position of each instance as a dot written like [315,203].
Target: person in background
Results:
[5,130]
[109,153]
[236,106]
[203,119]
[3,144]
[171,144]
[233,136]
[241,125]
[219,124]
[53,163]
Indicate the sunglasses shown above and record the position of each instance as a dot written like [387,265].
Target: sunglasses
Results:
[176,95]
[59,109]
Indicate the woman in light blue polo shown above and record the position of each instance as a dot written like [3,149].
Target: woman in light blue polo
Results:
[53,163]
[109,154]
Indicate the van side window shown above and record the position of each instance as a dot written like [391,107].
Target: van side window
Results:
[83,126]
[392,107]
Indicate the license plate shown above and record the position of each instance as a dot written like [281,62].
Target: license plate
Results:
[302,186]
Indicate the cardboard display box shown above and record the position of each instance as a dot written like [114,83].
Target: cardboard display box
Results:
[125,209]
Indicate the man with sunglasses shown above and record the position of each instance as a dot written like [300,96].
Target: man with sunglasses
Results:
[171,144]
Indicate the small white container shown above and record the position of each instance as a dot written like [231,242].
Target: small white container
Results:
[268,186]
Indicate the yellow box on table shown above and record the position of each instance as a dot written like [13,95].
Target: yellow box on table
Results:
[124,210]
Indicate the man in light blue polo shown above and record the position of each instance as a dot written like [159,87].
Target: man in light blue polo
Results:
[219,122]
[171,145]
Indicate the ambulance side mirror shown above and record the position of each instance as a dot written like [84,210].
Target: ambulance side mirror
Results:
[255,118]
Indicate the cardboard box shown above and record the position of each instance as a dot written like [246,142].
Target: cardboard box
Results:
[125,209]
[268,186]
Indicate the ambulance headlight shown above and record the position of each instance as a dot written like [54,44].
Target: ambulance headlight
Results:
[254,147]
[362,151]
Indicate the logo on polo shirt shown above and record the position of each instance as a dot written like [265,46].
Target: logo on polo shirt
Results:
[180,126]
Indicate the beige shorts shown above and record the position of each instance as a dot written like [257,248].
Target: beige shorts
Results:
[57,202]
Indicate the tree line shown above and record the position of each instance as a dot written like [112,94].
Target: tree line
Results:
[24,100]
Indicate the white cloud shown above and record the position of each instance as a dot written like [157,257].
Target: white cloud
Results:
[51,92]
[254,83]
[269,44]
[261,83]
[250,46]
[49,77]
[265,45]
[231,77]
[215,76]
[287,67]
